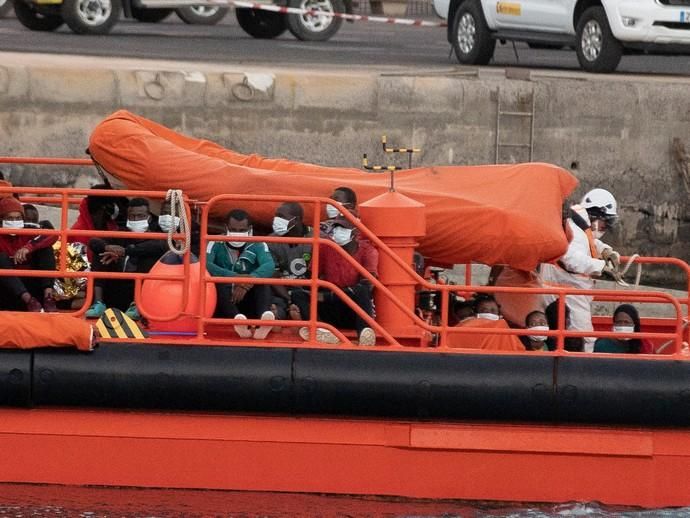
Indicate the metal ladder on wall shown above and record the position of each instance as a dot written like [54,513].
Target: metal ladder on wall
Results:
[502,115]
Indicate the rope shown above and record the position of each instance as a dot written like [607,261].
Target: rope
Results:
[176,199]
[621,273]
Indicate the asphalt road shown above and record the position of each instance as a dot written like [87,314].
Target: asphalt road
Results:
[357,44]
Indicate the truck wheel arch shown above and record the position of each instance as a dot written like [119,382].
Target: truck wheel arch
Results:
[452,9]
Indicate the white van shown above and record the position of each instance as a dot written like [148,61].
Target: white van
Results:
[600,30]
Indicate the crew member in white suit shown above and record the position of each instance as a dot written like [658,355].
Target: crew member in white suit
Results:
[587,256]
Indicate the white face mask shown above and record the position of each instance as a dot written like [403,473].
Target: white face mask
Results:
[342,235]
[238,244]
[331,211]
[538,338]
[141,225]
[596,232]
[116,212]
[6,223]
[167,222]
[281,226]
[30,224]
[489,316]
[624,329]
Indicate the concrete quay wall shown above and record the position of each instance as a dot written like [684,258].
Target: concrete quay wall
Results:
[628,134]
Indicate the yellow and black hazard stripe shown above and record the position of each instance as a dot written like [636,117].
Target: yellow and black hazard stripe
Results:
[115,324]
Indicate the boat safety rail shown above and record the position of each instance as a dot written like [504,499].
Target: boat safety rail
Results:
[561,333]
[316,240]
[67,197]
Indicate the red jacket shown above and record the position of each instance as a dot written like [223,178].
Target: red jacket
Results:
[85,222]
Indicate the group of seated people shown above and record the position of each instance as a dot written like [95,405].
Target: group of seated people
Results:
[482,311]
[239,258]
[293,261]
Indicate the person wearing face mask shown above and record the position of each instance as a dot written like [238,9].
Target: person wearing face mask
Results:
[239,258]
[292,260]
[535,323]
[345,198]
[626,319]
[167,222]
[134,255]
[96,213]
[19,252]
[335,268]
[586,257]
[487,315]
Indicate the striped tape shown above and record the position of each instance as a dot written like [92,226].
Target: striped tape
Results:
[352,17]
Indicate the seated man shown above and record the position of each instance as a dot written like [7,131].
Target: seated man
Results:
[292,261]
[124,255]
[242,259]
[96,213]
[24,293]
[333,267]
[345,197]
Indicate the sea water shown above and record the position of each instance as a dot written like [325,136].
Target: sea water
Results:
[36,501]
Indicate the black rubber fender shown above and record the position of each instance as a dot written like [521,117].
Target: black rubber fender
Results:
[15,378]
[411,385]
[127,375]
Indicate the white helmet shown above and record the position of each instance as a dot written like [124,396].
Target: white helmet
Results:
[602,200]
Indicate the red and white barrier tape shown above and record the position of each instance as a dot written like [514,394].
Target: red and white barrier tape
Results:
[345,16]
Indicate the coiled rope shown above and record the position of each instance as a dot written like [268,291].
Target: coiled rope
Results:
[177,209]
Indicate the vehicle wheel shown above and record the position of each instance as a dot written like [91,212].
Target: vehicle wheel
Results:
[470,37]
[202,14]
[91,16]
[317,26]
[5,7]
[150,15]
[597,49]
[30,18]
[261,24]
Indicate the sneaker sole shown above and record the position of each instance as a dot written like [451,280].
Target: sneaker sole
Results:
[242,330]
[262,332]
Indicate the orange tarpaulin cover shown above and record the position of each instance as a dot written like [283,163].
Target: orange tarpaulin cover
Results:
[486,341]
[30,330]
[506,214]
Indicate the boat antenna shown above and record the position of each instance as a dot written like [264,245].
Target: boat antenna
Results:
[390,168]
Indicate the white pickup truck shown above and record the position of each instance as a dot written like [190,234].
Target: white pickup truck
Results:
[599,30]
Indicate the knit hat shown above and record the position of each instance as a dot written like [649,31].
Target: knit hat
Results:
[10,204]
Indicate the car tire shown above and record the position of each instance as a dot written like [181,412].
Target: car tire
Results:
[470,36]
[34,20]
[5,7]
[91,16]
[310,27]
[201,15]
[264,25]
[597,49]
[144,15]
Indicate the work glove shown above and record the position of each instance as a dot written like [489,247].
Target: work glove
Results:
[612,258]
[612,272]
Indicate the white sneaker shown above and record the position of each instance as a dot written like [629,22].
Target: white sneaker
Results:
[367,336]
[262,332]
[242,330]
[323,336]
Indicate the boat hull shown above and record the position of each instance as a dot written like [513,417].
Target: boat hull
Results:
[486,461]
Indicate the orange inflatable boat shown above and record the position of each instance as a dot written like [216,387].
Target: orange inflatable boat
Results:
[507,214]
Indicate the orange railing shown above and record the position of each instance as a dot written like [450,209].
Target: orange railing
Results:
[65,197]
